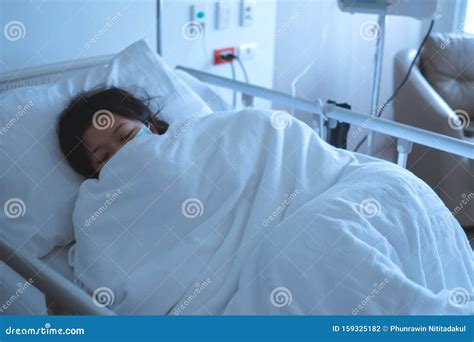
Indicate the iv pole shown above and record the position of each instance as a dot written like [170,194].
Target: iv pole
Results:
[377,77]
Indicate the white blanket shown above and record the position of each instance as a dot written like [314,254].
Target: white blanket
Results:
[249,213]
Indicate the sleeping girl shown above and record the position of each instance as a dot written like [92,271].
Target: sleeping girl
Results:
[96,124]
[270,218]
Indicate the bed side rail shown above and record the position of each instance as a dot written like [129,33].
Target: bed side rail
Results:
[404,133]
[48,73]
[50,282]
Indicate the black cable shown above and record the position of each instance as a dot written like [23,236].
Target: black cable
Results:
[228,56]
[405,80]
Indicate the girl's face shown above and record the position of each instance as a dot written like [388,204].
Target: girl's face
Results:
[102,143]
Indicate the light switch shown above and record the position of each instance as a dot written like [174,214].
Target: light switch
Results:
[223,14]
[247,12]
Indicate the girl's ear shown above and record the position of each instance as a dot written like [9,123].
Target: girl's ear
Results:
[153,129]
[157,126]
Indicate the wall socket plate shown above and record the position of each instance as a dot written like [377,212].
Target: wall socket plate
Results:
[247,51]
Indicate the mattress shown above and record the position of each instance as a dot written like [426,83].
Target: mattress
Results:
[59,260]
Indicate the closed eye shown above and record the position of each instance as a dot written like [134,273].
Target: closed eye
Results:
[104,159]
[125,138]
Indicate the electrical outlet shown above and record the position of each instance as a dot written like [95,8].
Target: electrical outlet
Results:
[219,52]
[247,51]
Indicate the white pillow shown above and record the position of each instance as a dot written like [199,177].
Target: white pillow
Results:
[139,66]
[212,99]
[38,189]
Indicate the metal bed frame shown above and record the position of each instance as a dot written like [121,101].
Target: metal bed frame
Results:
[406,135]
[54,285]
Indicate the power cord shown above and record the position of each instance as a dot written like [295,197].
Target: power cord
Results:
[242,67]
[231,57]
[234,93]
[404,81]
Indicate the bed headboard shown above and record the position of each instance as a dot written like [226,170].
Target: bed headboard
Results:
[48,73]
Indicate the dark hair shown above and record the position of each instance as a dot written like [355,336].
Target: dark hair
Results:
[79,114]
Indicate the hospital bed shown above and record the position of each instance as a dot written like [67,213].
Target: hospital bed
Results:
[52,274]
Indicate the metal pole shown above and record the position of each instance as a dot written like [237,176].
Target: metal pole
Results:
[159,27]
[377,78]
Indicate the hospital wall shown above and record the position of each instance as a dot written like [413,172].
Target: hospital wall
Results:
[56,31]
[65,30]
[337,52]
[198,53]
